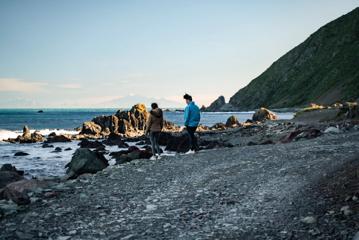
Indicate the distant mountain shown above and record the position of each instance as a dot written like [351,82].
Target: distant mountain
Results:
[130,100]
[323,69]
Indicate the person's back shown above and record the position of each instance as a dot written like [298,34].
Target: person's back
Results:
[154,127]
[192,115]
[156,120]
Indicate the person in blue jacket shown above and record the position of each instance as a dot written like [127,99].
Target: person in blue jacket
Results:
[192,117]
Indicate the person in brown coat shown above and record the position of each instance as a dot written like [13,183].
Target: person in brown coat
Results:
[154,127]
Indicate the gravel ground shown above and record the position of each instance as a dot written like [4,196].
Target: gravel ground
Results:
[281,191]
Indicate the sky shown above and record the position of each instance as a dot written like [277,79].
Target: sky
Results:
[86,53]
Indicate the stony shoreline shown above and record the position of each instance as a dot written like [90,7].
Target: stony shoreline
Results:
[271,179]
[278,191]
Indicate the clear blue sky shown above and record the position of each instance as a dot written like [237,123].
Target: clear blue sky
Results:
[91,53]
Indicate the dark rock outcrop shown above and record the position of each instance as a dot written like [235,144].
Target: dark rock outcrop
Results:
[53,138]
[85,143]
[123,122]
[28,137]
[85,161]
[130,123]
[90,128]
[9,174]
[216,105]
[115,139]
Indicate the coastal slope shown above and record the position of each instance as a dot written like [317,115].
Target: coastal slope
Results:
[323,69]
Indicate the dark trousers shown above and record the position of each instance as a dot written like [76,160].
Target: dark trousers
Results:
[154,136]
[192,138]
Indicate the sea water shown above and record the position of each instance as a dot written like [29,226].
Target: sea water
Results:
[44,162]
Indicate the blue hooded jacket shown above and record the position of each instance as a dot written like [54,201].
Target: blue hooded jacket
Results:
[192,115]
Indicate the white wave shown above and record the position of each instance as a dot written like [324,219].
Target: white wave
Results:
[46,132]
[6,134]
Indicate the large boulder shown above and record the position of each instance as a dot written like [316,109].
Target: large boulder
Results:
[9,174]
[132,153]
[9,167]
[115,139]
[232,121]
[177,142]
[264,114]
[90,128]
[18,191]
[85,161]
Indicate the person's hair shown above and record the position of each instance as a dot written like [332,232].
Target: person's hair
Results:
[154,105]
[187,97]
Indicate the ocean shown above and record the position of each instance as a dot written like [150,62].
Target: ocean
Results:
[44,162]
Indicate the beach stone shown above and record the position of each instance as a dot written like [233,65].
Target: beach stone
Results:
[7,208]
[264,114]
[85,143]
[356,236]
[309,220]
[332,130]
[346,210]
[85,161]
[20,153]
[57,149]
[46,145]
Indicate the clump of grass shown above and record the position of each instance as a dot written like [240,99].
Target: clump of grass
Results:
[312,107]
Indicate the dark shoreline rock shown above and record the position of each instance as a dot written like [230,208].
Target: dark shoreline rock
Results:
[85,161]
[20,153]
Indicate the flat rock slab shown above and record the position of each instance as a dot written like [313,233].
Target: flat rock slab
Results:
[252,192]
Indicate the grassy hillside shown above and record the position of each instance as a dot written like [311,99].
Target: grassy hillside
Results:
[323,69]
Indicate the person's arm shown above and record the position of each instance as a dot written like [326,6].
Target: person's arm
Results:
[148,124]
[161,124]
[186,116]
